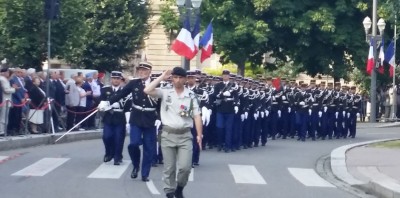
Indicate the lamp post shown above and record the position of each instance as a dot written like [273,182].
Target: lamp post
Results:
[376,39]
[185,9]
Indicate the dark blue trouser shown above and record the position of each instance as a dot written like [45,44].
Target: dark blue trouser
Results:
[113,139]
[314,121]
[196,147]
[338,124]
[284,122]
[353,124]
[265,128]
[225,128]
[302,118]
[146,137]
[274,123]
[246,132]
[237,132]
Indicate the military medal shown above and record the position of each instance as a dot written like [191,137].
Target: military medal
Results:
[184,112]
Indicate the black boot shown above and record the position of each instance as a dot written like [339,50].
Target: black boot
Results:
[179,192]
[170,195]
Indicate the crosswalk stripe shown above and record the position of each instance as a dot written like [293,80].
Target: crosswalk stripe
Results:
[41,167]
[152,188]
[110,171]
[309,177]
[246,174]
[3,157]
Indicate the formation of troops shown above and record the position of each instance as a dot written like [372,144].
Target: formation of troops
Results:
[237,113]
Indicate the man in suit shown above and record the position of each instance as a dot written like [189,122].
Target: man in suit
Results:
[15,115]
[71,100]
[6,93]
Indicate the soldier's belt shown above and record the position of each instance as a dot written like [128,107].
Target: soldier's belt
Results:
[174,130]
[315,104]
[142,108]
[117,110]
[228,99]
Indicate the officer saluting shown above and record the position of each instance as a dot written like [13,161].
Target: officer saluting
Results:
[114,121]
[144,120]
[179,107]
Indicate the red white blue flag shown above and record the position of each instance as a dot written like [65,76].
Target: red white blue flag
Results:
[206,43]
[389,58]
[184,44]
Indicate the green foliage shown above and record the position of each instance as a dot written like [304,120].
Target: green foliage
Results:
[169,19]
[96,34]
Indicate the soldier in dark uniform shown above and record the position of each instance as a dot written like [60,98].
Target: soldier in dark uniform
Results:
[302,115]
[144,120]
[239,117]
[354,110]
[226,99]
[114,121]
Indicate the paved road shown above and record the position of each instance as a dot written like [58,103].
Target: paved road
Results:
[282,169]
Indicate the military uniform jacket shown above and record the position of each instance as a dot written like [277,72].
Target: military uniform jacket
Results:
[114,116]
[145,109]
[227,103]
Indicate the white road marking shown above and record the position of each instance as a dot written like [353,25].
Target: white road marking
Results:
[246,174]
[3,157]
[109,170]
[41,167]
[152,188]
[309,177]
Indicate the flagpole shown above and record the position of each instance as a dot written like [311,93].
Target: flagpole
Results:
[394,72]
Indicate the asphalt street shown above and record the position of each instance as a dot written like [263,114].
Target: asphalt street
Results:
[282,169]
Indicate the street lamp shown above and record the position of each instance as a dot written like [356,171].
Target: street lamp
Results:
[188,5]
[376,39]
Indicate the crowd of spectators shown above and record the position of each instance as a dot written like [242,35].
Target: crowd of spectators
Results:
[28,97]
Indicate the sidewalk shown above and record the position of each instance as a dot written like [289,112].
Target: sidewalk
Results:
[375,170]
[24,141]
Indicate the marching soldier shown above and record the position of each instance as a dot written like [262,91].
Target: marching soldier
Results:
[226,99]
[144,120]
[114,121]
[179,109]
[355,107]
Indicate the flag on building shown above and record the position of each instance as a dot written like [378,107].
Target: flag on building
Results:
[390,58]
[184,44]
[196,34]
[206,43]
[370,61]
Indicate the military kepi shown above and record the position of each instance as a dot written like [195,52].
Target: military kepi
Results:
[116,74]
[145,65]
[179,71]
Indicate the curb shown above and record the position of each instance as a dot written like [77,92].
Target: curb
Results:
[47,139]
[339,170]
[389,125]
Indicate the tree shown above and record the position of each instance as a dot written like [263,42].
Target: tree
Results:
[116,29]
[239,31]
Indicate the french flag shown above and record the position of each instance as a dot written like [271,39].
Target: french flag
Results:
[370,61]
[184,44]
[196,34]
[381,68]
[389,58]
[206,43]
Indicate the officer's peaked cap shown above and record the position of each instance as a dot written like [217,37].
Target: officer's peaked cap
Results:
[116,74]
[145,64]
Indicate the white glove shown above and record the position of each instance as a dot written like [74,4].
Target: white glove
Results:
[255,116]
[236,109]
[258,114]
[325,109]
[266,113]
[273,98]
[128,128]
[309,111]
[262,114]
[227,93]
[104,106]
[320,113]
[157,124]
[283,97]
[337,115]
[344,113]
[204,112]
[115,105]
[242,117]
[302,103]
[246,115]
[289,109]
[348,115]
[127,116]
[208,117]
[358,115]
[279,113]
[203,118]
